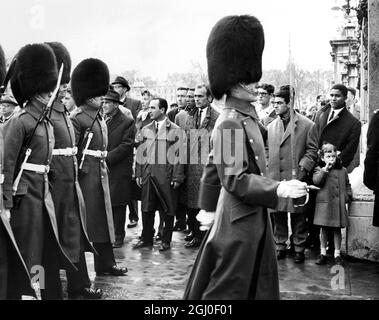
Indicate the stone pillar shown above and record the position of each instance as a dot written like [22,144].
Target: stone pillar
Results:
[373,56]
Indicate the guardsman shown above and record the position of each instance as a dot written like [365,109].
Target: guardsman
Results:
[237,257]
[66,192]
[8,245]
[89,83]
[29,142]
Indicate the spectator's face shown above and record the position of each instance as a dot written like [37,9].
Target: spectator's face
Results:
[263,97]
[280,106]
[181,96]
[329,157]
[6,109]
[190,98]
[337,100]
[145,101]
[68,101]
[155,112]
[109,106]
[201,98]
[120,89]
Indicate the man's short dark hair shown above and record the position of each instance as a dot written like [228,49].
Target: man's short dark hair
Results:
[352,90]
[318,97]
[162,104]
[341,88]
[173,105]
[207,88]
[266,86]
[284,92]
[182,88]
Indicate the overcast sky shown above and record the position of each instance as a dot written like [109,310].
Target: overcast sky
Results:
[157,37]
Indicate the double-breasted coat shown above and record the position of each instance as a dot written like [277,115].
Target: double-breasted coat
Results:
[93,176]
[67,195]
[237,260]
[157,167]
[121,134]
[280,155]
[371,170]
[8,246]
[331,199]
[32,206]
[343,131]
[198,142]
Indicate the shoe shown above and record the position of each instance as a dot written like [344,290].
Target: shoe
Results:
[113,271]
[338,260]
[189,237]
[194,243]
[280,254]
[86,294]
[321,260]
[179,227]
[299,257]
[142,244]
[118,244]
[132,224]
[164,246]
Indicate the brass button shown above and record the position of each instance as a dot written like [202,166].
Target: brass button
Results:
[256,158]
[251,141]
[245,123]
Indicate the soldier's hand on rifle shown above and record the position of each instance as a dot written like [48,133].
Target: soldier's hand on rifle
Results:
[292,189]
[7,213]
[139,182]
[175,185]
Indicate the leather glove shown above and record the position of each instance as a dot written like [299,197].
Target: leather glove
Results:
[292,189]
[302,174]
[206,219]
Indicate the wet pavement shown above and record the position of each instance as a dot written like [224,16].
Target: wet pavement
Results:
[155,275]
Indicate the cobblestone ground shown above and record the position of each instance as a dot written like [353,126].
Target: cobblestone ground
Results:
[154,275]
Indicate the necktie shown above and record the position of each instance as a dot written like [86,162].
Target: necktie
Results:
[157,126]
[199,121]
[331,116]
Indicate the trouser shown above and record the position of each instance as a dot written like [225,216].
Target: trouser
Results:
[193,223]
[105,259]
[78,280]
[133,210]
[314,231]
[298,226]
[181,212]
[148,227]
[119,217]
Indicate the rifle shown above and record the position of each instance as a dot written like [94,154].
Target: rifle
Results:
[88,135]
[8,76]
[43,115]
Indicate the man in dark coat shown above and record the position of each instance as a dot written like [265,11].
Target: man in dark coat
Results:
[181,98]
[121,85]
[27,159]
[237,258]
[91,138]
[67,195]
[371,173]
[157,174]
[121,133]
[336,125]
[199,125]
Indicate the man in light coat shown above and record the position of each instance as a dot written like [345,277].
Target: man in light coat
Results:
[280,168]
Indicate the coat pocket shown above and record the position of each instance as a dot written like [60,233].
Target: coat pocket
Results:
[240,210]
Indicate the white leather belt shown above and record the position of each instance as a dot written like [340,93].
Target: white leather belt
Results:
[39,168]
[65,152]
[96,153]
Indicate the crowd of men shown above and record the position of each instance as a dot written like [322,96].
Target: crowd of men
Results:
[79,158]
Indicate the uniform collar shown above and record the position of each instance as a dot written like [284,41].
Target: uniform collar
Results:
[35,108]
[242,106]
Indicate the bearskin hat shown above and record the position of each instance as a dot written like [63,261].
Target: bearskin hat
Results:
[234,53]
[3,67]
[35,72]
[89,79]
[62,56]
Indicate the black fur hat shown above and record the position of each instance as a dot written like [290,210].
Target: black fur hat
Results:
[3,67]
[36,72]
[89,79]
[63,56]
[234,53]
